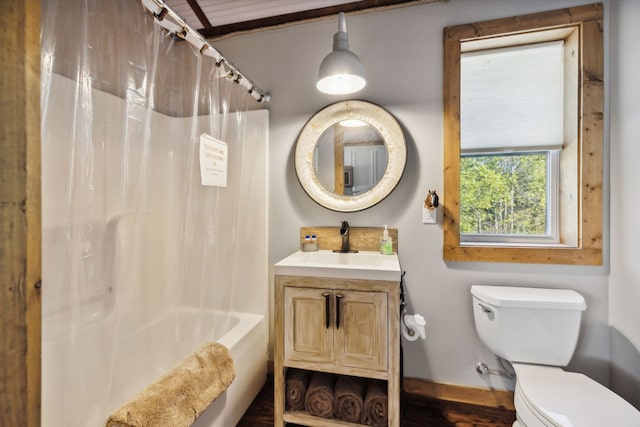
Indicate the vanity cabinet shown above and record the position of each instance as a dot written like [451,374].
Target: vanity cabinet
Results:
[341,326]
[336,326]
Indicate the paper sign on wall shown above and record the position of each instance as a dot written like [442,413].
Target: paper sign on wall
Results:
[213,161]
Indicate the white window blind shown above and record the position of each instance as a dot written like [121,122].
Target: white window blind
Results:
[511,98]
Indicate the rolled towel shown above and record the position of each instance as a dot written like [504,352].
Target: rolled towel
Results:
[376,404]
[349,396]
[296,388]
[177,398]
[319,400]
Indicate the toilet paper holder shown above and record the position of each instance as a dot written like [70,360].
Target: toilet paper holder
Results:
[413,326]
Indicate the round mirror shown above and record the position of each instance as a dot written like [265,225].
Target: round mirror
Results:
[350,155]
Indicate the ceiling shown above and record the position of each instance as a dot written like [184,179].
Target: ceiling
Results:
[219,18]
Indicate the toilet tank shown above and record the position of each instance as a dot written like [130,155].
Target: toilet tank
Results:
[528,325]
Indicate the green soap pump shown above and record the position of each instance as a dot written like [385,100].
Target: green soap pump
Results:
[386,245]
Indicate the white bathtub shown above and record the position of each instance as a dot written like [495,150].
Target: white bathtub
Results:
[248,344]
[103,381]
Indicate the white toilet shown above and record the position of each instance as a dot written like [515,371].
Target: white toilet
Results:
[537,331]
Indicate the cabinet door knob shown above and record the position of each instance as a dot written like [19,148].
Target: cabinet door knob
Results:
[338,299]
[327,313]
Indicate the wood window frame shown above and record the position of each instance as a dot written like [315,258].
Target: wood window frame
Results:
[590,131]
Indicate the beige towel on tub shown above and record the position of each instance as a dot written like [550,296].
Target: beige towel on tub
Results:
[177,398]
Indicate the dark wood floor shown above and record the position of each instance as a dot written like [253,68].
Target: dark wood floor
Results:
[414,414]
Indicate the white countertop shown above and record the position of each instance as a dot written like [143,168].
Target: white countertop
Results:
[360,265]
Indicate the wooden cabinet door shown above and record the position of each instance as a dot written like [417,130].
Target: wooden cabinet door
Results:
[308,325]
[360,336]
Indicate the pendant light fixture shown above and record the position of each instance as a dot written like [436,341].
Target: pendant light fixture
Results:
[341,71]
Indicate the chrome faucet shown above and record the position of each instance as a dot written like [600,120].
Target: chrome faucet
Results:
[344,233]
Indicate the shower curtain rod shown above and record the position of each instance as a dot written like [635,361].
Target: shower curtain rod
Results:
[181,29]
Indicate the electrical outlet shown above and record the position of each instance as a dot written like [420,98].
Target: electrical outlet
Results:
[429,216]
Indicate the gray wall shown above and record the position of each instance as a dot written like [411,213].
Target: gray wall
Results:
[402,53]
[624,283]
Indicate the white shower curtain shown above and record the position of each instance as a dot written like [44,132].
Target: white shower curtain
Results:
[131,239]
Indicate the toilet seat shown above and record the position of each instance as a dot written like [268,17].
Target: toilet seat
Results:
[550,396]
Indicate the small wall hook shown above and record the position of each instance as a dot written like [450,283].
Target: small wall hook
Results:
[432,201]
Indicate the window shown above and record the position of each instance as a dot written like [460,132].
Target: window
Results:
[523,111]
[511,104]
[509,198]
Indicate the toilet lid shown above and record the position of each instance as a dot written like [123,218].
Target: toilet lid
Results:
[570,399]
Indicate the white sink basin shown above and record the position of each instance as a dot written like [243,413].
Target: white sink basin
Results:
[359,265]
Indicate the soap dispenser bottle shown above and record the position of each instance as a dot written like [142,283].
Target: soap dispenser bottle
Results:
[386,245]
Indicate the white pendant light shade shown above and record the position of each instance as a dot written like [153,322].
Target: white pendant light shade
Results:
[341,72]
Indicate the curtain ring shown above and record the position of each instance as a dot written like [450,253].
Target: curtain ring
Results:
[203,48]
[238,78]
[220,62]
[182,34]
[160,16]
